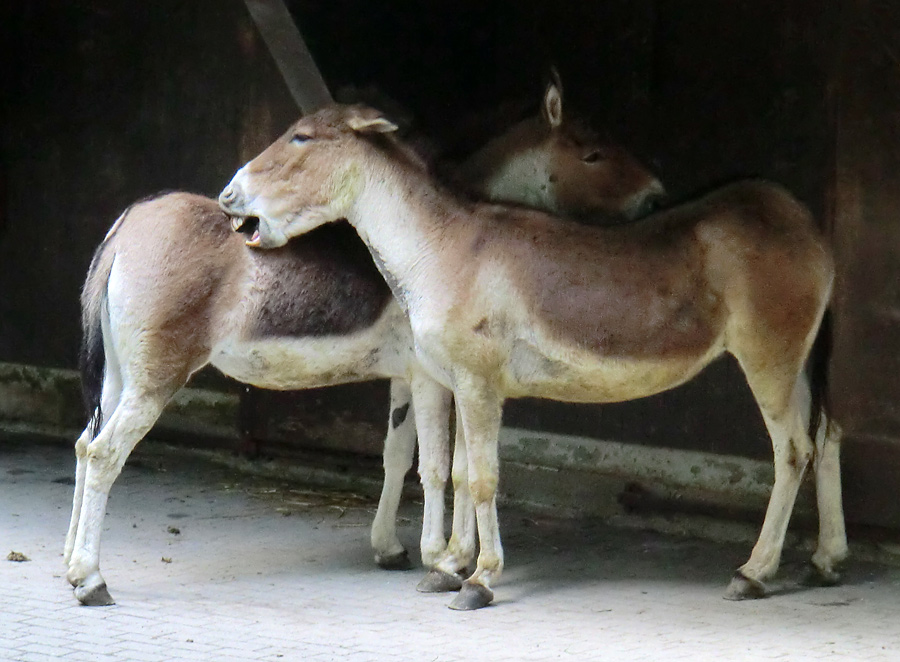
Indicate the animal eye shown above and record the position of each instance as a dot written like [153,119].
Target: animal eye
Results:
[595,156]
[300,138]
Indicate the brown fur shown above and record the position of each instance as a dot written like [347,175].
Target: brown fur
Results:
[172,289]
[320,285]
[719,271]
[507,302]
[598,190]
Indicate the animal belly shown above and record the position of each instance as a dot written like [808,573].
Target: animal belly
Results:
[297,363]
[593,379]
[383,350]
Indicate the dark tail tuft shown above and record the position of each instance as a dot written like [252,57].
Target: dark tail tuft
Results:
[90,363]
[819,357]
[92,359]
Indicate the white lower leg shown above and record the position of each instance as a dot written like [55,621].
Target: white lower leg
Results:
[461,548]
[399,449]
[432,413]
[106,455]
[832,544]
[481,415]
[490,557]
[109,401]
[81,447]
[84,564]
[793,450]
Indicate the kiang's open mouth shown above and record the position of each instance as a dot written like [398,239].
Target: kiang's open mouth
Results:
[247,225]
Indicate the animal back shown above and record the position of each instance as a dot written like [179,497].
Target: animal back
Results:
[635,293]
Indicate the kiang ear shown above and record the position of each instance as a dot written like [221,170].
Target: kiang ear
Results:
[369,120]
[552,108]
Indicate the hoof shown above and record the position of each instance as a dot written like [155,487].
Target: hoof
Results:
[394,561]
[438,581]
[472,596]
[744,588]
[816,576]
[94,596]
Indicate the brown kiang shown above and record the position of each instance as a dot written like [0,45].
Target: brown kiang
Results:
[507,302]
[172,289]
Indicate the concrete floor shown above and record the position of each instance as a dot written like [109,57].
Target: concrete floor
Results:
[265,571]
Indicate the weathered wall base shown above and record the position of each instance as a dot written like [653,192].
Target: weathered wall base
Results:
[48,401]
[544,472]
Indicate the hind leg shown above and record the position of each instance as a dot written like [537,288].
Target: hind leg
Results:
[793,450]
[831,549]
[105,457]
[109,400]
[81,447]
[399,449]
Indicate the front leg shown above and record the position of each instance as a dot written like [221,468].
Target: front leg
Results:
[480,408]
[448,571]
[431,404]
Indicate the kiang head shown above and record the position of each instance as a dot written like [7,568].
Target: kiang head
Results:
[589,173]
[309,176]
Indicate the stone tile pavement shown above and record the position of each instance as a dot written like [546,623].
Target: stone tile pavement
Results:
[258,570]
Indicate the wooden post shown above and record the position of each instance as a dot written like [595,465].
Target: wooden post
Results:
[294,60]
[865,225]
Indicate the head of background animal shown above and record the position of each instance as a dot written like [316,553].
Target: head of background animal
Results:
[560,165]
[309,176]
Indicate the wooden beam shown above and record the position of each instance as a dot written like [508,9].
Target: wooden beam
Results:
[290,53]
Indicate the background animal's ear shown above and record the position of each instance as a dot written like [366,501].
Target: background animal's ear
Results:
[552,108]
[369,120]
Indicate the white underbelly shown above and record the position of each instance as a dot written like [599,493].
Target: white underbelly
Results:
[583,377]
[384,350]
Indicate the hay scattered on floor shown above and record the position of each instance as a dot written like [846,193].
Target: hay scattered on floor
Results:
[288,499]
[17,557]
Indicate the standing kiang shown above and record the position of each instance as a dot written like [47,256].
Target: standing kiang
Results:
[506,302]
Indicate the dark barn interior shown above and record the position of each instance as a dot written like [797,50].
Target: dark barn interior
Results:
[105,104]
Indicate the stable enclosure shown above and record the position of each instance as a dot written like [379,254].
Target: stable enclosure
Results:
[106,104]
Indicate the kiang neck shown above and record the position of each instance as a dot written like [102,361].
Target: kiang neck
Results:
[403,219]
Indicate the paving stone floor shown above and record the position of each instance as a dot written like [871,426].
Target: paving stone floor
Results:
[260,570]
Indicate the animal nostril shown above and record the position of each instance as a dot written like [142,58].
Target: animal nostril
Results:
[228,196]
[650,203]
[656,198]
[654,203]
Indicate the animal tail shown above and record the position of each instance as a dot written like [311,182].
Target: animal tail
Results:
[92,359]
[819,358]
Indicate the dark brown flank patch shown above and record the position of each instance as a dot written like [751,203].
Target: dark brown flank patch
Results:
[323,283]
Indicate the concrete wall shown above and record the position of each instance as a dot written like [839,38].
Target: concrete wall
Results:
[544,472]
